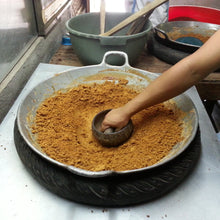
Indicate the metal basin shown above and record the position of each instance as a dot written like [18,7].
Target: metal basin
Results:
[105,188]
[27,109]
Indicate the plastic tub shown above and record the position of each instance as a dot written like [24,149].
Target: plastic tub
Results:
[90,48]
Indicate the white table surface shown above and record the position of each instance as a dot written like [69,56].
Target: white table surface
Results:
[22,197]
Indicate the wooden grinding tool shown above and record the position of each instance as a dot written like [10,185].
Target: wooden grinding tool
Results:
[110,137]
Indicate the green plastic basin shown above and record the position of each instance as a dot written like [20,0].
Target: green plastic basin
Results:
[90,48]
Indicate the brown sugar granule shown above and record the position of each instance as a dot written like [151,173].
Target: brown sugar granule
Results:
[63,129]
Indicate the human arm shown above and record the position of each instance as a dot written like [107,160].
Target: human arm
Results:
[171,83]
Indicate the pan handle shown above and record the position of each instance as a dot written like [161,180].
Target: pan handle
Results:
[161,34]
[118,53]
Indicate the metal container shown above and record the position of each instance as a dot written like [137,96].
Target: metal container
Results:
[164,32]
[90,48]
[74,183]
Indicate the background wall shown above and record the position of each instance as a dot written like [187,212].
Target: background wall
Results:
[21,47]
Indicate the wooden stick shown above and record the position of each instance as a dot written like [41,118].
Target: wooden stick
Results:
[102,17]
[143,11]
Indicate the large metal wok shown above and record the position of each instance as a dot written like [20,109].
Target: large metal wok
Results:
[187,34]
[69,181]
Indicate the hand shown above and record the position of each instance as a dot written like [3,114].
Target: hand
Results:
[116,118]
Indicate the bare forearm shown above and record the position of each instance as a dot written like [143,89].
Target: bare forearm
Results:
[178,78]
[171,83]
